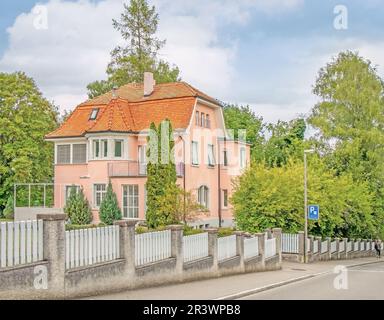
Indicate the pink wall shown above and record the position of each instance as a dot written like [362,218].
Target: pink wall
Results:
[195,176]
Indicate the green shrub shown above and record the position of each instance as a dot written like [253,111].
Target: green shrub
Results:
[188,230]
[77,208]
[109,207]
[8,210]
[70,226]
[224,232]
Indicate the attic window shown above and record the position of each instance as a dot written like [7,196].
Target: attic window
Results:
[94,113]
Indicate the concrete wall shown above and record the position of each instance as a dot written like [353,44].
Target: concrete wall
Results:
[121,274]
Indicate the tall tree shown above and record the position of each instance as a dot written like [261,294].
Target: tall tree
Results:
[286,141]
[25,118]
[162,191]
[138,26]
[243,118]
[350,121]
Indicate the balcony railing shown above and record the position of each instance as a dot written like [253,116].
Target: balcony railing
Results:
[135,169]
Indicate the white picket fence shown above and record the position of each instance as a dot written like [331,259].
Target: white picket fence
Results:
[270,248]
[290,243]
[195,246]
[21,242]
[341,246]
[349,246]
[333,246]
[251,247]
[226,247]
[90,246]
[315,246]
[152,246]
[324,246]
[356,246]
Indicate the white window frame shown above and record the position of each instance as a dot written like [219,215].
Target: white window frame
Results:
[225,191]
[205,200]
[225,157]
[67,190]
[243,157]
[195,153]
[210,154]
[102,194]
[127,197]
[122,148]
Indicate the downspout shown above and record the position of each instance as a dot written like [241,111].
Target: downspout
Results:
[183,166]
[219,181]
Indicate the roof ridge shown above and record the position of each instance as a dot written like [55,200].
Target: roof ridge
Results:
[123,116]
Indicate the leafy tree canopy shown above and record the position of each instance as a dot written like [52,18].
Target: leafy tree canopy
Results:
[138,26]
[25,118]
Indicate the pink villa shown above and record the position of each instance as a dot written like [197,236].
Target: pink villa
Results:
[104,139]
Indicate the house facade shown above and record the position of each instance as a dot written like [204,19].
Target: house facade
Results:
[105,139]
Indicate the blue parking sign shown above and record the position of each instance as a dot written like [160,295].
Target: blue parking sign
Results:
[313,212]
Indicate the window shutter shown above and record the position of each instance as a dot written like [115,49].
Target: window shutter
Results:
[64,154]
[79,153]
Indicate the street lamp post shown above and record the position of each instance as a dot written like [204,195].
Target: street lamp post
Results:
[306,204]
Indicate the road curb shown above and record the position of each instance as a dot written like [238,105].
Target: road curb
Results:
[285,282]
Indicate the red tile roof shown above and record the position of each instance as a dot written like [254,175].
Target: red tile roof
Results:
[132,112]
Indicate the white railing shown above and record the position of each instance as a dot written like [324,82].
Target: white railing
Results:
[308,245]
[324,246]
[349,246]
[226,247]
[195,246]
[90,246]
[362,246]
[356,246]
[152,246]
[315,246]
[21,242]
[251,247]
[270,248]
[333,246]
[341,246]
[290,243]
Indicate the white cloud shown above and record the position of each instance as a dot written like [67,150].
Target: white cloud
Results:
[74,49]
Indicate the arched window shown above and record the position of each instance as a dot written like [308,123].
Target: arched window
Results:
[203,196]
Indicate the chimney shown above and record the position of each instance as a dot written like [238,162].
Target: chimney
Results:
[149,83]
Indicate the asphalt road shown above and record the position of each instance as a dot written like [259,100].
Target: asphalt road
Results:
[363,283]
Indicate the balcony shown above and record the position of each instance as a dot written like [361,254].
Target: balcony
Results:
[135,169]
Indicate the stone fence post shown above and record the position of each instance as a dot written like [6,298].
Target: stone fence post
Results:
[277,233]
[301,246]
[261,242]
[127,245]
[329,254]
[337,248]
[54,252]
[213,248]
[310,253]
[344,254]
[240,248]
[177,246]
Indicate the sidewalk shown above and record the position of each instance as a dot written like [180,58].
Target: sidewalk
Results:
[232,285]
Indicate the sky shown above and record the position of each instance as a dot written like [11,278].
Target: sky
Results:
[264,53]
